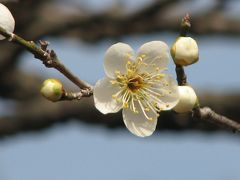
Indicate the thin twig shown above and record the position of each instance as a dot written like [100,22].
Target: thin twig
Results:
[48,57]
[181,76]
[69,96]
[209,115]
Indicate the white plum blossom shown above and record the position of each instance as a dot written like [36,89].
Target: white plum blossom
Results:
[137,84]
[6,20]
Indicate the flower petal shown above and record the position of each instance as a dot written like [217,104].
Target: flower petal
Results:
[102,95]
[155,54]
[169,90]
[116,59]
[138,124]
[6,20]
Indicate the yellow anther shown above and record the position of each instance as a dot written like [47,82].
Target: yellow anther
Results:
[147,109]
[125,105]
[117,72]
[129,71]
[119,100]
[139,58]
[113,82]
[161,75]
[143,55]
[114,96]
[128,55]
[150,119]
[135,111]
[119,76]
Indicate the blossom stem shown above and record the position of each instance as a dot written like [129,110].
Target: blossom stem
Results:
[185,25]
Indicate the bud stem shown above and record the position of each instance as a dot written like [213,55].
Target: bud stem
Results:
[181,76]
[185,25]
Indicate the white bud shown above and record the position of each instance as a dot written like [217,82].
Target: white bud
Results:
[52,89]
[187,99]
[6,20]
[185,51]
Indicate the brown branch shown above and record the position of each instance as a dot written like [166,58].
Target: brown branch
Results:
[69,96]
[209,115]
[204,113]
[49,58]
[181,76]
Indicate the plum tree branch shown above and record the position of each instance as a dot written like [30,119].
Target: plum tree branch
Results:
[209,115]
[49,59]
[204,113]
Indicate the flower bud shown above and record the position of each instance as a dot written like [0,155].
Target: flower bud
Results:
[7,21]
[52,89]
[185,51]
[187,99]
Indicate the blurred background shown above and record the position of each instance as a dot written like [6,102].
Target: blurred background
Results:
[72,140]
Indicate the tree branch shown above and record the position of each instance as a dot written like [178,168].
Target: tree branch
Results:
[204,113]
[209,115]
[75,95]
[48,57]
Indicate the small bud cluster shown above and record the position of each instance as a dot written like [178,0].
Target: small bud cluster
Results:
[184,52]
[7,21]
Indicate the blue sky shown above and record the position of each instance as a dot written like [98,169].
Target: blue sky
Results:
[76,151]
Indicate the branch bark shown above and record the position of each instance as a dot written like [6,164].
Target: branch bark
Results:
[209,115]
[49,59]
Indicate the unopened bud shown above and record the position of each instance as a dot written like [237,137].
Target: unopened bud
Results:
[187,99]
[7,21]
[52,89]
[185,51]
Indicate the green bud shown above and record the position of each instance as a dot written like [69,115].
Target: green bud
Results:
[52,89]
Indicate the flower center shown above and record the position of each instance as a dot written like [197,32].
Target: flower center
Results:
[140,90]
[135,83]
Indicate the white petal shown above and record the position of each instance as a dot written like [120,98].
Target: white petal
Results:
[102,95]
[116,58]
[155,54]
[137,123]
[169,90]
[6,20]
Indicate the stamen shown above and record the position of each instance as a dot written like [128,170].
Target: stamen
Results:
[113,82]
[145,114]
[125,105]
